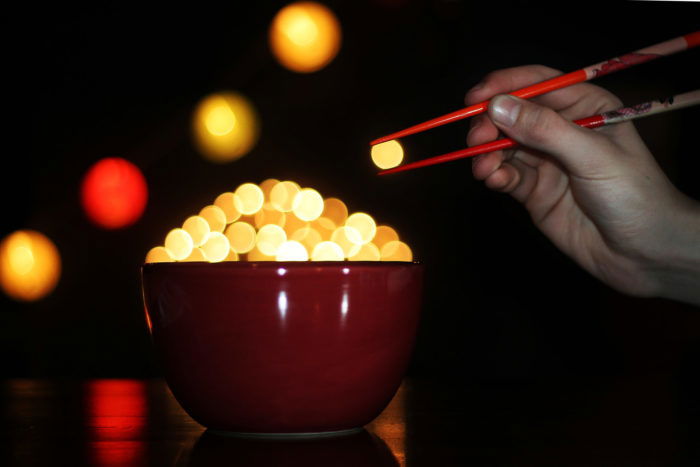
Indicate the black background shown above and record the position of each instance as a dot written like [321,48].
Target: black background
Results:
[501,303]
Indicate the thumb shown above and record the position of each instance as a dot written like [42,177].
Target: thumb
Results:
[580,150]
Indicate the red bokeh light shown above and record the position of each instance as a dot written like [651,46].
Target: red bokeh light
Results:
[114,193]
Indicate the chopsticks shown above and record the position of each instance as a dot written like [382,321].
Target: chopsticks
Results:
[606,118]
[622,62]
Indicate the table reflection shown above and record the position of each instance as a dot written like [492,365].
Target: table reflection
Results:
[115,419]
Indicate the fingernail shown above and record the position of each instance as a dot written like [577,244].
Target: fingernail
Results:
[505,110]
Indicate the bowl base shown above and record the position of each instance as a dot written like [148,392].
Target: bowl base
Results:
[309,435]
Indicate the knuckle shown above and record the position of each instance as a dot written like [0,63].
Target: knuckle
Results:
[538,122]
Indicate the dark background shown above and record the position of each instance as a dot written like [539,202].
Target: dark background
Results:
[503,304]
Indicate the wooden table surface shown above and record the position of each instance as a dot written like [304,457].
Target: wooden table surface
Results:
[644,421]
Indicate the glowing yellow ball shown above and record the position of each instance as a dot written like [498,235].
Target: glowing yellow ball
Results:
[292,251]
[270,237]
[248,199]
[308,204]
[198,228]
[216,248]
[305,36]
[364,225]
[396,251]
[215,217]
[227,203]
[385,234]
[241,236]
[256,255]
[349,240]
[335,210]
[269,215]
[367,252]
[225,127]
[387,155]
[282,195]
[327,251]
[30,265]
[196,255]
[179,243]
[159,254]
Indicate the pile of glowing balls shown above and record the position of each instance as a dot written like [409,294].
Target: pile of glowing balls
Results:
[279,221]
[225,126]
[114,193]
[30,265]
[305,36]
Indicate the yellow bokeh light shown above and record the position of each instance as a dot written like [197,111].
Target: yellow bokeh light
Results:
[292,251]
[364,225]
[387,155]
[307,236]
[198,228]
[282,195]
[249,198]
[269,239]
[225,126]
[256,255]
[220,119]
[305,36]
[241,236]
[159,254]
[216,248]
[292,223]
[266,186]
[327,251]
[348,239]
[232,256]
[30,265]
[196,255]
[308,204]
[269,215]
[226,201]
[384,235]
[324,226]
[367,252]
[179,243]
[396,251]
[215,217]
[335,210]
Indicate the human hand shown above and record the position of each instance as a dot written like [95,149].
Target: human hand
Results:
[598,195]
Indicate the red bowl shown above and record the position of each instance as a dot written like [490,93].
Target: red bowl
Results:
[293,348]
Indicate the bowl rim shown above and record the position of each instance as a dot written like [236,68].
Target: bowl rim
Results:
[281,264]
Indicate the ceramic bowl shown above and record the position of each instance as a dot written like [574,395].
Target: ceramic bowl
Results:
[283,348]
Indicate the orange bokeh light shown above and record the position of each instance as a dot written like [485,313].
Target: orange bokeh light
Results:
[30,265]
[114,193]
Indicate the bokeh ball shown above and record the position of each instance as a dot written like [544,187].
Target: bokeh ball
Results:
[30,265]
[305,36]
[225,127]
[114,193]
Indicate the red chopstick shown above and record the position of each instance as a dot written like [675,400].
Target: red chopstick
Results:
[607,118]
[669,47]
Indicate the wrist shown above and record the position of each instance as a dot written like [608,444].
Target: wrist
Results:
[675,264]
